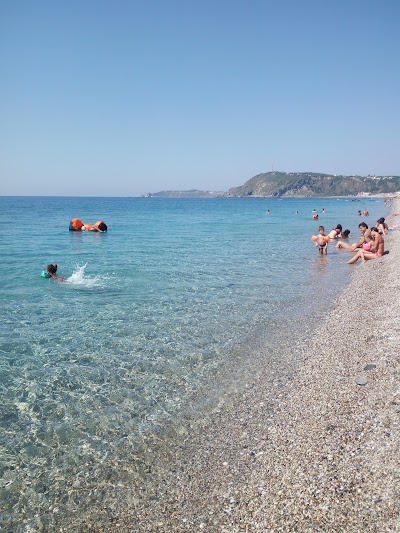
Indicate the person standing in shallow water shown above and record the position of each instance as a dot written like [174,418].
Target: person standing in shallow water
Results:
[322,241]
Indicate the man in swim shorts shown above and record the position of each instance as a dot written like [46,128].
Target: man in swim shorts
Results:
[353,247]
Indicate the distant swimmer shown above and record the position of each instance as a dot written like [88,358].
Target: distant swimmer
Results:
[268,212]
[51,272]
[314,215]
[323,210]
[77,225]
[365,212]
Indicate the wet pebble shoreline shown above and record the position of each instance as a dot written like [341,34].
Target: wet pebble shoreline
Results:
[319,454]
[312,450]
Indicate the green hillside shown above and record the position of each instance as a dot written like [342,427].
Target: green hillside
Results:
[310,184]
[298,184]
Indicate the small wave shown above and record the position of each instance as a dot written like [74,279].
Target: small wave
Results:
[78,278]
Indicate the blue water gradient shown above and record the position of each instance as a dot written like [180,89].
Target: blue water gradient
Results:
[174,295]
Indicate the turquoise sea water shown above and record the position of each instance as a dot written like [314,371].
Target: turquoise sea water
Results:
[175,294]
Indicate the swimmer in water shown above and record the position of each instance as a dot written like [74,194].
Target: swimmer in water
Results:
[77,225]
[51,272]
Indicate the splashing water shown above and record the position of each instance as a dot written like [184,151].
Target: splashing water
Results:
[78,278]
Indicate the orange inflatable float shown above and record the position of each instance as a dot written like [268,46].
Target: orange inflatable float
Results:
[315,238]
[77,225]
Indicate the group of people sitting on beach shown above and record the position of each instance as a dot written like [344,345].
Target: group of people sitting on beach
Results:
[371,244]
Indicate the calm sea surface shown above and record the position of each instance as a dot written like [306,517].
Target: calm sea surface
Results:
[174,295]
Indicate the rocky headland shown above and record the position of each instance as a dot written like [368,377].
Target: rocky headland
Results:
[297,184]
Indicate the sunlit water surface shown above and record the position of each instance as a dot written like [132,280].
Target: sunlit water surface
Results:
[173,297]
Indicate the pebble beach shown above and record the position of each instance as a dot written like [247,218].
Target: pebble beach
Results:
[319,452]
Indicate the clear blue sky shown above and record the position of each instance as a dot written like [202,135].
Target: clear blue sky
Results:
[115,98]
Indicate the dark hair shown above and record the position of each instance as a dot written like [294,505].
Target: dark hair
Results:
[346,233]
[380,220]
[376,230]
[339,226]
[363,225]
[102,226]
[51,269]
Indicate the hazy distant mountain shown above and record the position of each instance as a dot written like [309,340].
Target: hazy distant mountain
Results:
[186,194]
[299,184]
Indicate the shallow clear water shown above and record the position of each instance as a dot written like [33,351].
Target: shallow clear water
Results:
[176,293]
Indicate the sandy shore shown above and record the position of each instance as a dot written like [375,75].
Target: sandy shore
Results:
[320,453]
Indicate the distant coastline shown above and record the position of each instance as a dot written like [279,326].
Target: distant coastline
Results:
[297,185]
